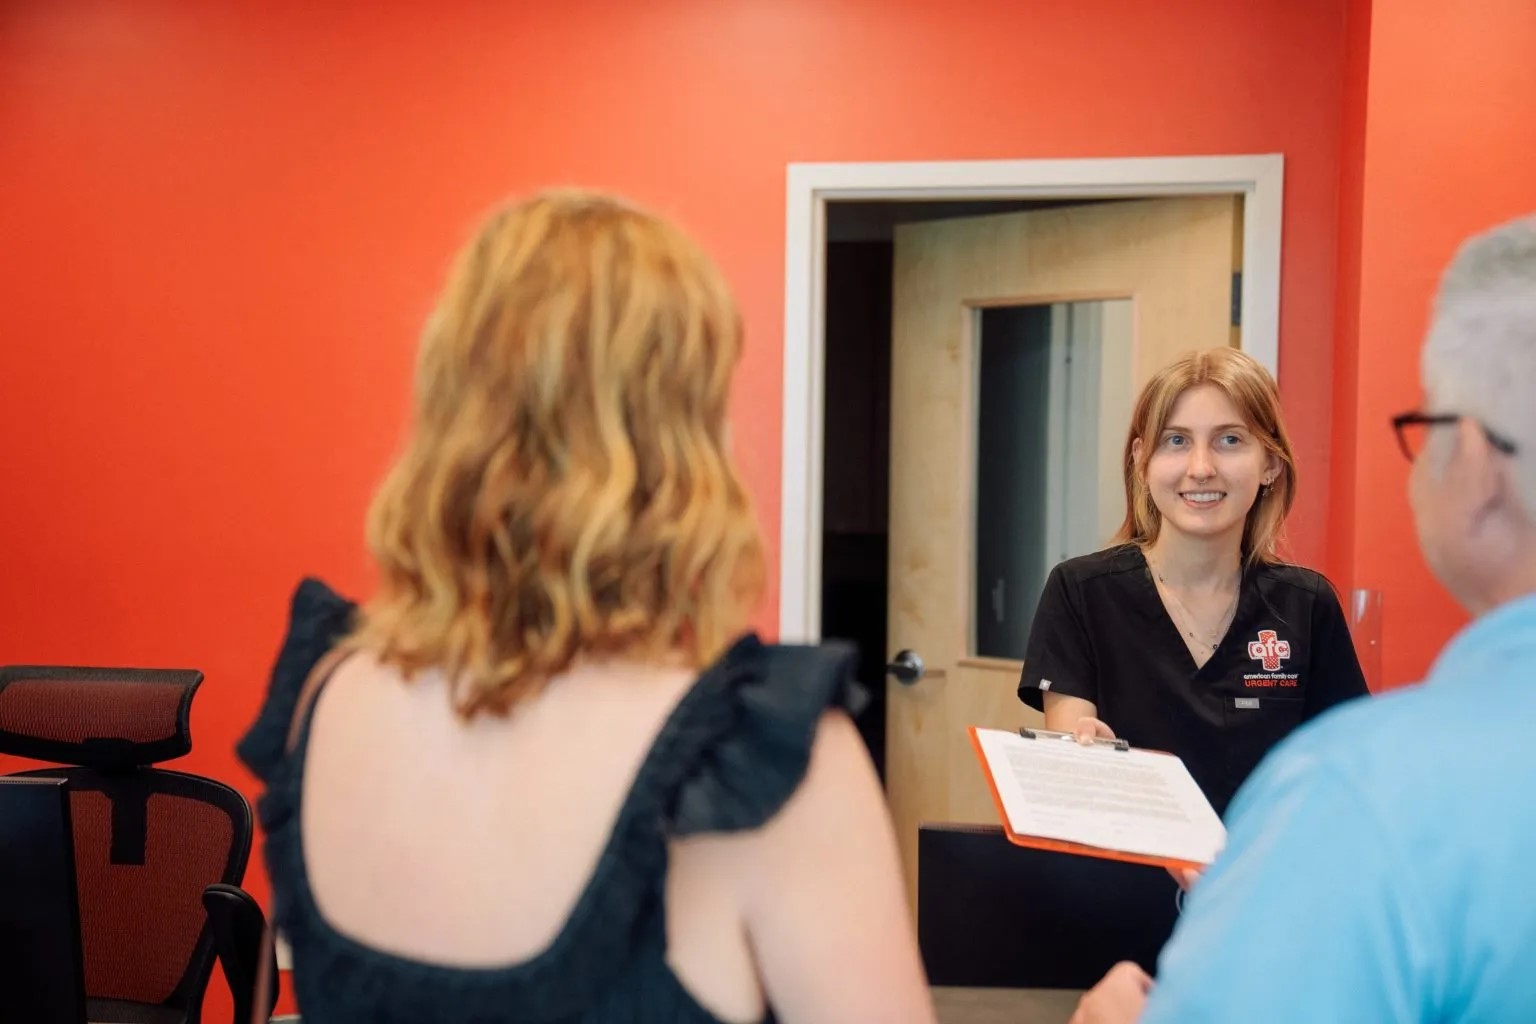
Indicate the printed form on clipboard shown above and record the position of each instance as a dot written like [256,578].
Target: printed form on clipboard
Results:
[1102,800]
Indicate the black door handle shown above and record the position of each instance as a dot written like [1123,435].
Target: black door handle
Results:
[907,667]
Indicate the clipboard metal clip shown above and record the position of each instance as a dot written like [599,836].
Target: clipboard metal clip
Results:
[1047,734]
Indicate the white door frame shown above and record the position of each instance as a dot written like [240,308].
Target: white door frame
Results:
[1258,179]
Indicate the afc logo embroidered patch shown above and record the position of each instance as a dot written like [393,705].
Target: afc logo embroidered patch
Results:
[1269,650]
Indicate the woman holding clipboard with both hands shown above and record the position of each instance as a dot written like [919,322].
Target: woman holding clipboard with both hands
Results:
[1191,635]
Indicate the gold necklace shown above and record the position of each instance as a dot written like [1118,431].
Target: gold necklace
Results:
[1212,640]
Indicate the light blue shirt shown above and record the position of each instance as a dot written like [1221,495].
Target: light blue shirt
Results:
[1381,863]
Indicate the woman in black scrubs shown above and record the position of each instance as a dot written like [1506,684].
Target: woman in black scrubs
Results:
[1191,635]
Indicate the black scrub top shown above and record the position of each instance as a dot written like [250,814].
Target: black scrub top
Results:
[1101,633]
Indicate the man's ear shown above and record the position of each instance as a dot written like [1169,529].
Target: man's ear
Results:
[1480,478]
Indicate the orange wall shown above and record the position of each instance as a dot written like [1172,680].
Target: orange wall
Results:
[222,223]
[1450,148]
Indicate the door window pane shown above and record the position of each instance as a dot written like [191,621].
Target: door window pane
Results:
[1052,399]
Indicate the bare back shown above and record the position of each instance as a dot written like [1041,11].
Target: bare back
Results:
[469,844]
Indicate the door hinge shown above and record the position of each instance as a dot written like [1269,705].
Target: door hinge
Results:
[1237,298]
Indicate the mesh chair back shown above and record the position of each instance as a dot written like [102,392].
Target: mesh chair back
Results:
[147,841]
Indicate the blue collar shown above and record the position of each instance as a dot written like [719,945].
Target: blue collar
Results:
[1513,622]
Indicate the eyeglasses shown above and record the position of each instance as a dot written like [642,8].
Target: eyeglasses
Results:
[1412,429]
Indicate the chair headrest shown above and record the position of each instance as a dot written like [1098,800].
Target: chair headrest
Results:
[105,718]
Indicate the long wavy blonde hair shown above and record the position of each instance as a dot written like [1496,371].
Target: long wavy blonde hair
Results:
[566,488]
[1249,386]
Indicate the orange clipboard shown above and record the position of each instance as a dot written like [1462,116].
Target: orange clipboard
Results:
[1062,845]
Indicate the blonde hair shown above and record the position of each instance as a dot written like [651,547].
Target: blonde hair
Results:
[566,488]
[1249,386]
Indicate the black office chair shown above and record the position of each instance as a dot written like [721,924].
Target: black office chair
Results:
[992,914]
[241,939]
[147,841]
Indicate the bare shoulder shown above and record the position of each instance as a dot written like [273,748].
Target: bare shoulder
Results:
[822,895]
[836,819]
[839,778]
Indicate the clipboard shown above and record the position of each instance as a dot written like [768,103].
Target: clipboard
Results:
[1059,845]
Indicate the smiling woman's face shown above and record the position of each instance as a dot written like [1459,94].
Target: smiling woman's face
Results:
[1206,467]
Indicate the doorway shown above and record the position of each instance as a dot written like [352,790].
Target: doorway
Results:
[1027,324]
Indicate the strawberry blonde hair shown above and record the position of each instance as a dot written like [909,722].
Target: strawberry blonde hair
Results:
[566,488]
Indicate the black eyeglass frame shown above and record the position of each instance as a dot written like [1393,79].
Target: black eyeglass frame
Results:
[1413,419]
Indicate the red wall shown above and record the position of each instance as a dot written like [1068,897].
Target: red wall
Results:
[1340,563]
[222,223]
[1450,148]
